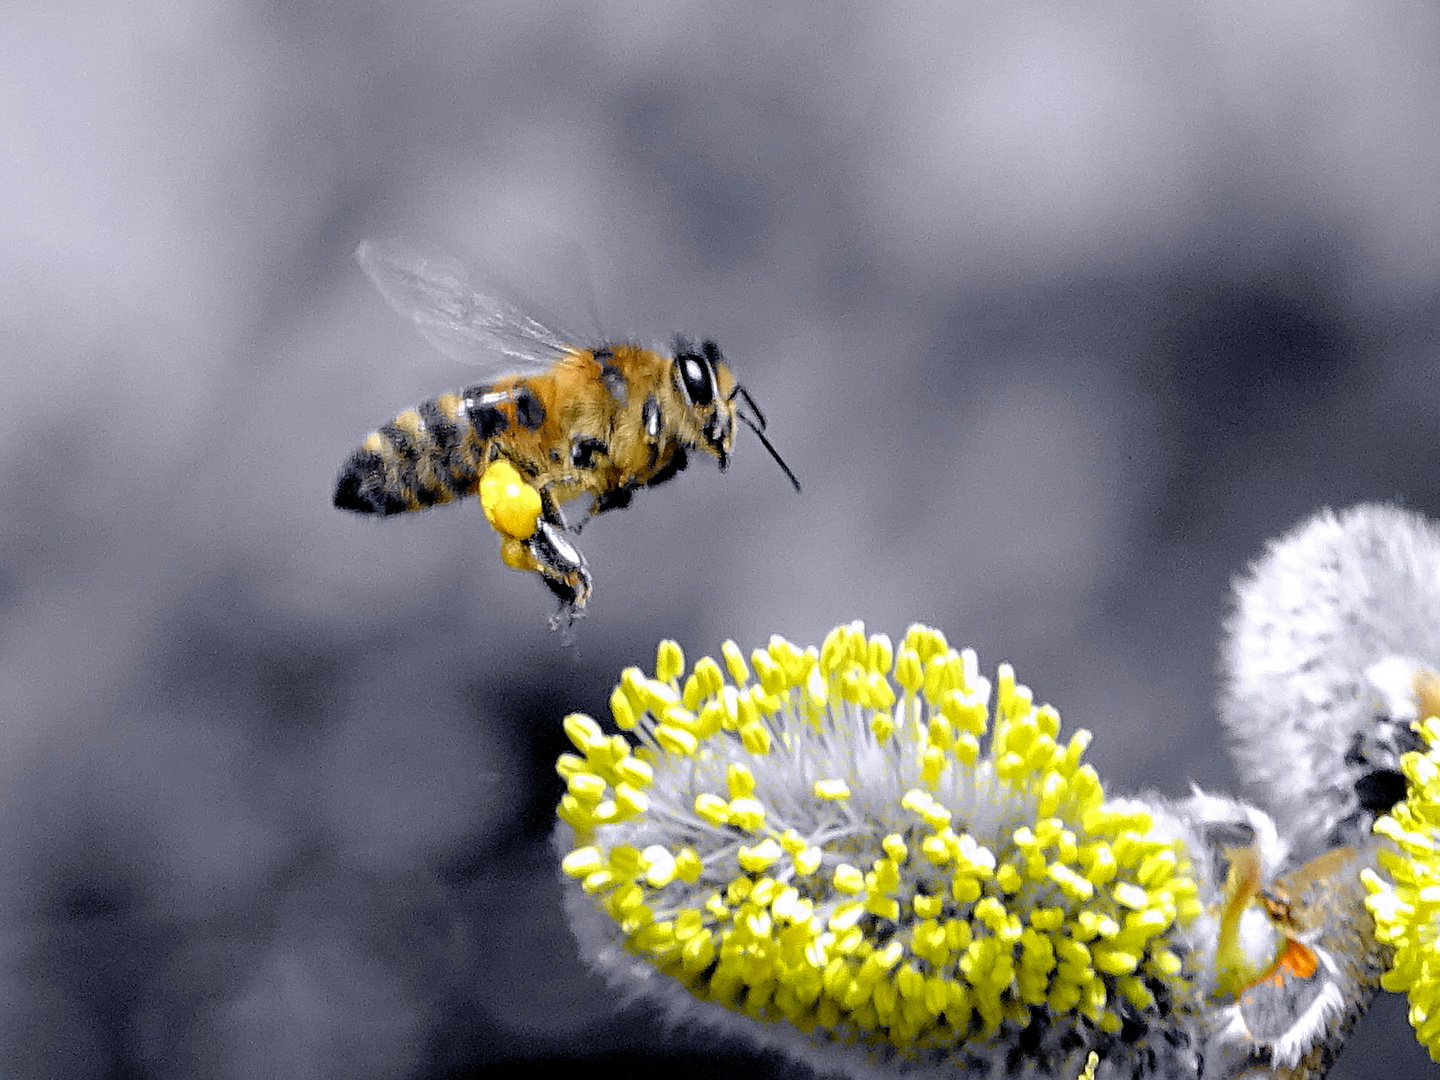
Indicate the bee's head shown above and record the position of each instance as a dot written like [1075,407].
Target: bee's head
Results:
[713,399]
[707,388]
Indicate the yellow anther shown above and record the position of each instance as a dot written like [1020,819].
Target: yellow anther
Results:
[1008,878]
[1165,962]
[747,813]
[598,882]
[895,847]
[831,789]
[747,712]
[937,817]
[1157,868]
[636,772]
[834,650]
[659,697]
[928,907]
[621,709]
[630,801]
[1101,868]
[692,694]
[879,653]
[582,731]
[586,786]
[669,661]
[756,739]
[582,862]
[740,780]
[579,816]
[883,877]
[708,674]
[1115,961]
[848,879]
[886,907]
[678,716]
[771,677]
[659,865]
[932,764]
[1132,896]
[676,740]
[688,865]
[760,857]
[735,662]
[814,687]
[809,860]
[1071,883]
[935,849]
[792,842]
[909,669]
[845,916]
[712,808]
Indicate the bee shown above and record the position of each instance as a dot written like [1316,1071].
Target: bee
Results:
[1294,908]
[1294,956]
[554,421]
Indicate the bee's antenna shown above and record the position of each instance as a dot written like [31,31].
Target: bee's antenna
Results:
[759,416]
[757,425]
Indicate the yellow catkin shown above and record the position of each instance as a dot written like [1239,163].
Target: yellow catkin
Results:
[783,845]
[1405,893]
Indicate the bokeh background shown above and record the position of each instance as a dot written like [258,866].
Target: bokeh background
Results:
[1058,310]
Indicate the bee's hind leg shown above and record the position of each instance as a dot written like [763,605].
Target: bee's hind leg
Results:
[550,511]
[560,565]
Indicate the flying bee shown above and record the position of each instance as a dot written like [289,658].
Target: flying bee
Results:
[569,420]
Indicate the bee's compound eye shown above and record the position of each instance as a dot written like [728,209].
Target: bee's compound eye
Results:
[697,377]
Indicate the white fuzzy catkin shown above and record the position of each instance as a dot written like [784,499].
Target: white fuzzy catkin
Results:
[1320,624]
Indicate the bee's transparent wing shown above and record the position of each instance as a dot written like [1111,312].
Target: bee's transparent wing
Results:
[459,316]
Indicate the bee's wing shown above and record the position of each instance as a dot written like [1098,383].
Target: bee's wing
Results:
[1317,873]
[1318,868]
[458,315]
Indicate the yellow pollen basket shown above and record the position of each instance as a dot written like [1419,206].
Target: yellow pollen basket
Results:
[511,505]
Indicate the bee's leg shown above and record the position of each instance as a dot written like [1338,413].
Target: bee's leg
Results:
[550,510]
[615,499]
[618,497]
[671,468]
[564,570]
[559,564]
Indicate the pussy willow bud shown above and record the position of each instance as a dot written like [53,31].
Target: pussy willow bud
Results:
[1328,628]
[871,856]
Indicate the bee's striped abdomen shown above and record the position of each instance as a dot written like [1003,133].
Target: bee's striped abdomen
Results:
[424,456]
[365,485]
[455,457]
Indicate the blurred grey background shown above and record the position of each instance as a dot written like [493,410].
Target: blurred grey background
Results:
[1058,310]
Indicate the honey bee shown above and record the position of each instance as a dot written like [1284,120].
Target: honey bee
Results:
[603,421]
[1294,907]
[1293,957]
